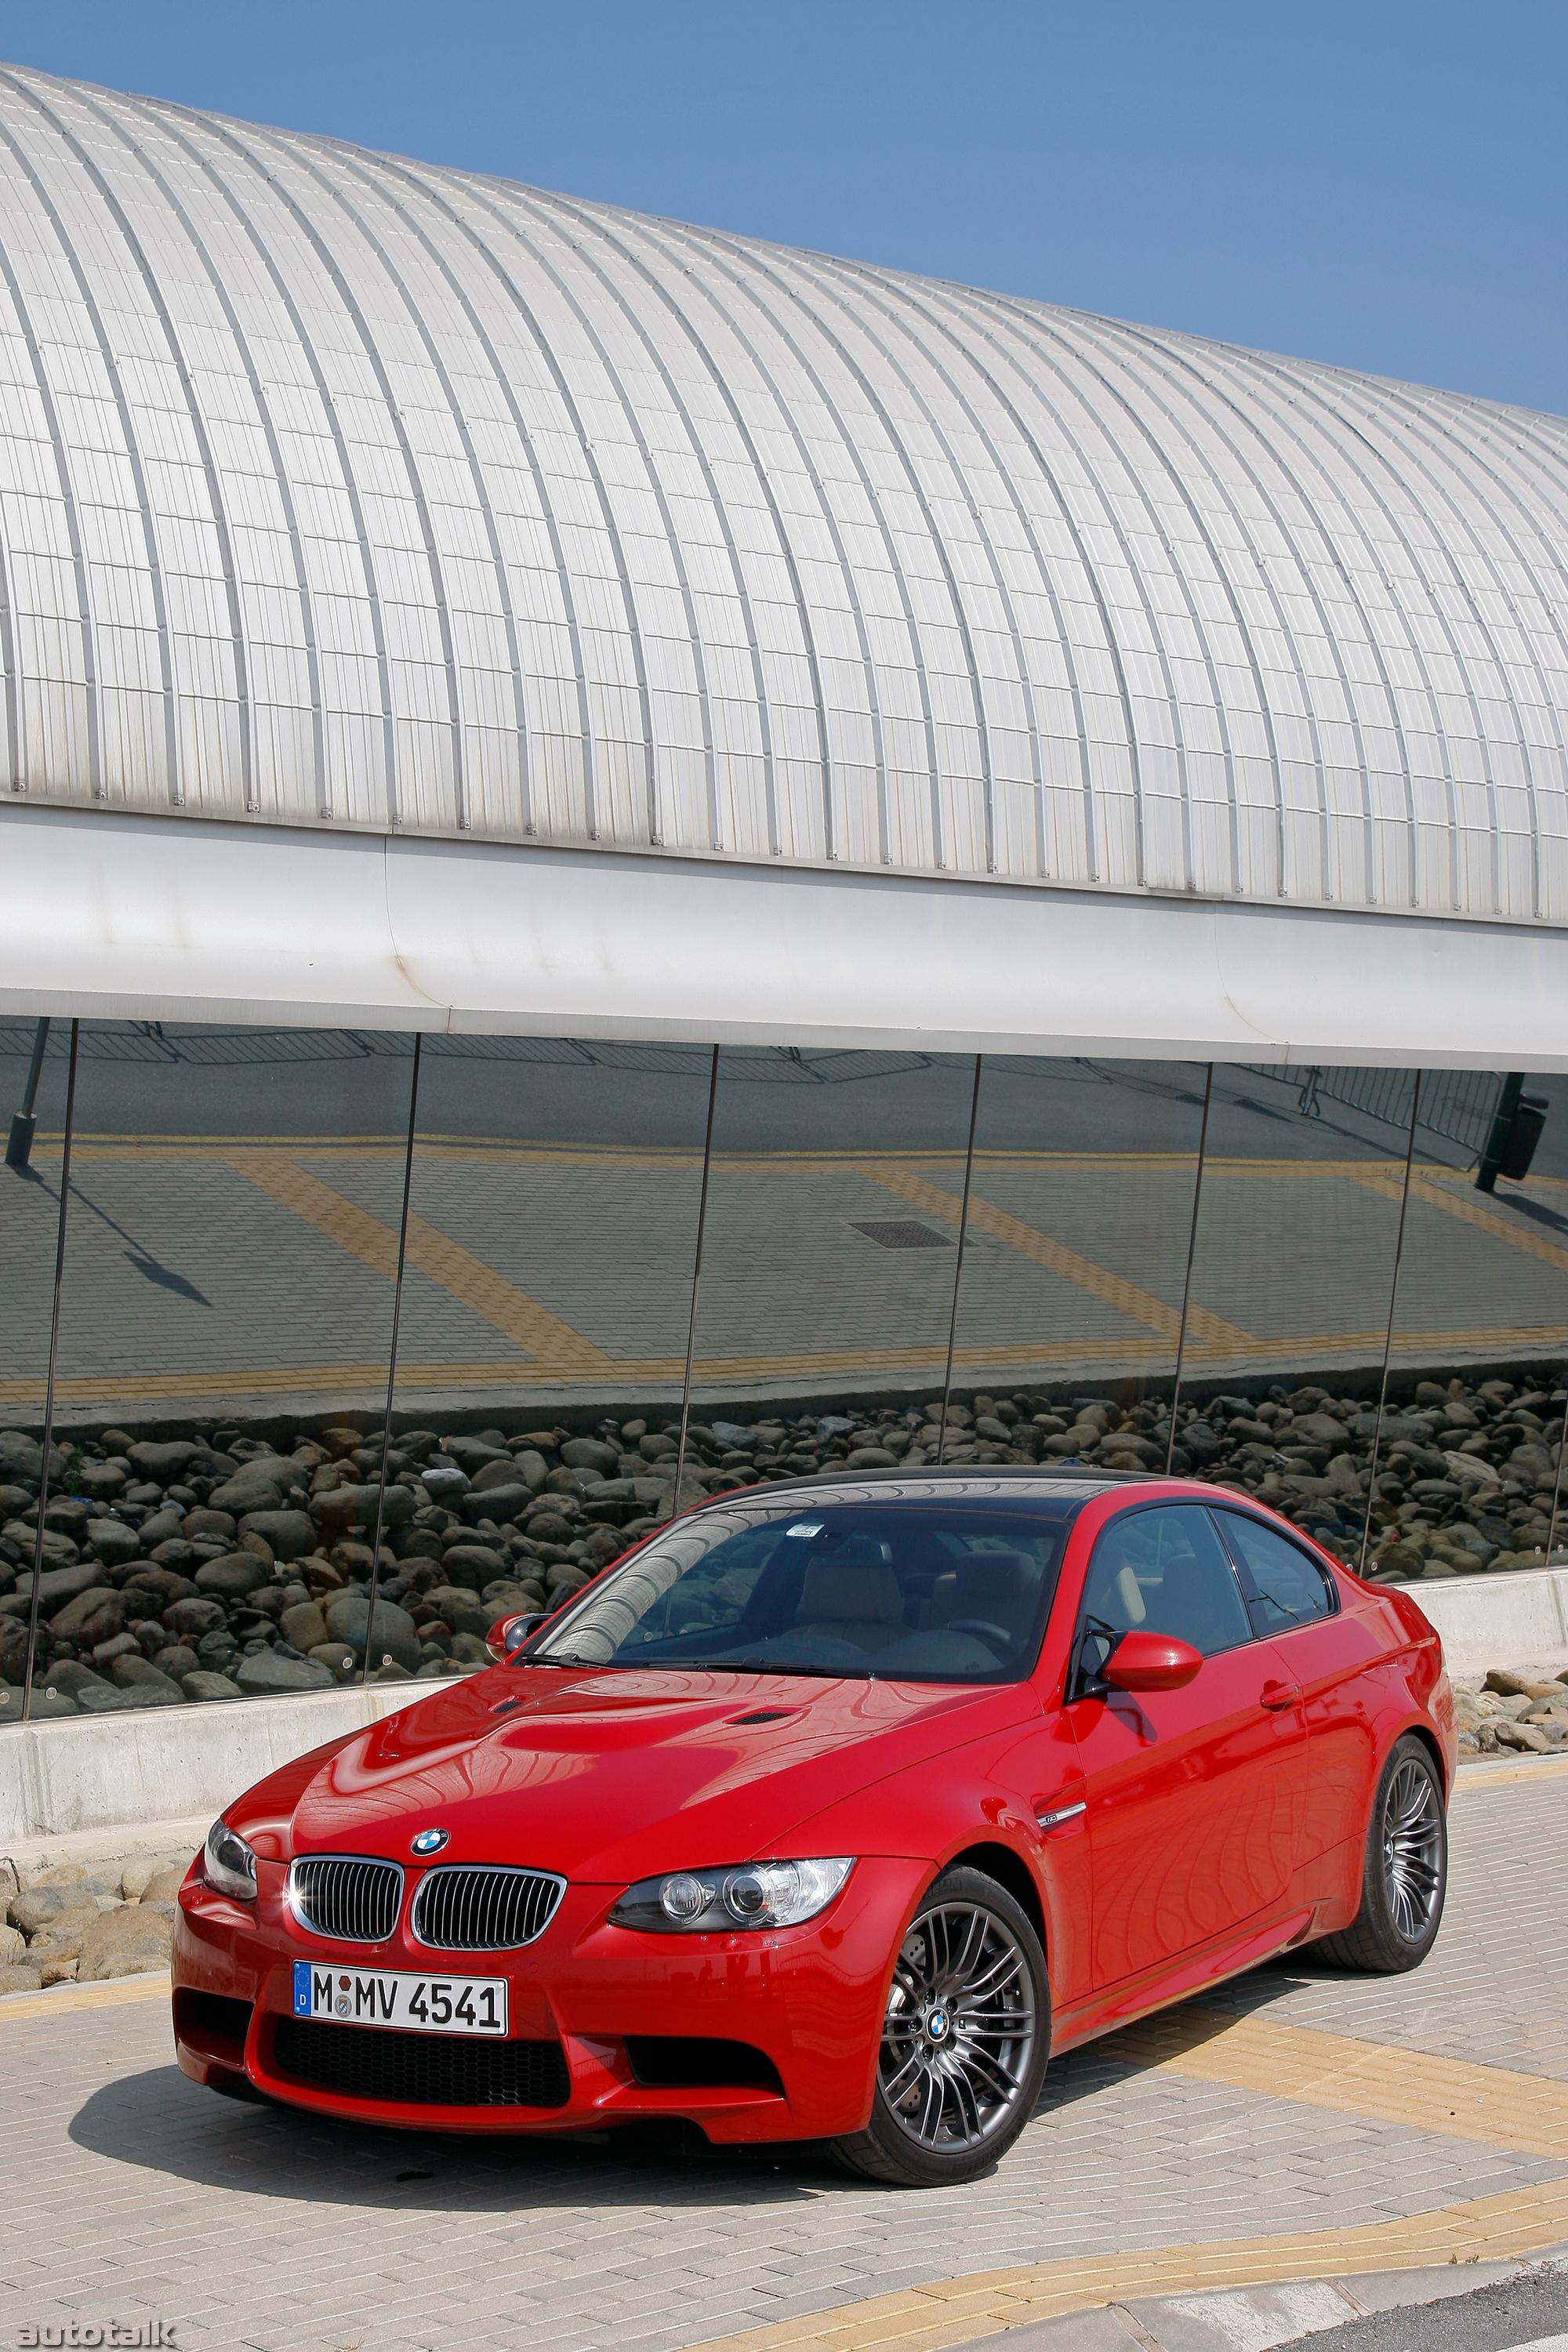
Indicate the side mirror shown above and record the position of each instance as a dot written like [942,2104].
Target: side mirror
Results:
[508,1633]
[1150,1661]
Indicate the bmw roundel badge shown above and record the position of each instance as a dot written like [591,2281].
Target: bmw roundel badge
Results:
[429,1842]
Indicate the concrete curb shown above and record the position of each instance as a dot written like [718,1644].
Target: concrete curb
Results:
[1491,1621]
[1254,2318]
[59,1779]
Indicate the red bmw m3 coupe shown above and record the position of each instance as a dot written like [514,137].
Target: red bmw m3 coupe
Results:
[830,1813]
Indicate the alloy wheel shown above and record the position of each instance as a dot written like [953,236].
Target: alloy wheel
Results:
[1411,1850]
[960,2028]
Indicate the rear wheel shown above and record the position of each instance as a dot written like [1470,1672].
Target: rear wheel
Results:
[965,2038]
[1405,1876]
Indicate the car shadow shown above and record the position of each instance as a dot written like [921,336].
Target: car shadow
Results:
[160,2121]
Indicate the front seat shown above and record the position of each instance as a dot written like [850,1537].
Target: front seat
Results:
[854,1600]
[996,1588]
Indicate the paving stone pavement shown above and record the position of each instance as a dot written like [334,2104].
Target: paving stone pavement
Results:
[130,2194]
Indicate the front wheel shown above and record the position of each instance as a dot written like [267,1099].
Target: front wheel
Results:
[965,2038]
[1405,1876]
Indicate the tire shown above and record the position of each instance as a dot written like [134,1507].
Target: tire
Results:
[964,2042]
[1405,1876]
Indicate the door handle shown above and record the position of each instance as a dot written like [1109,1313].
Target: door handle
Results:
[1276,1694]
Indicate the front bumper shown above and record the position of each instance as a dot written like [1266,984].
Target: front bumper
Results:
[809,1999]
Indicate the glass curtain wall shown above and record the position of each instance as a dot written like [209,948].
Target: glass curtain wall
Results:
[1074,1258]
[34,1062]
[830,1250]
[226,1321]
[1470,1456]
[1295,1251]
[545,1315]
[235,1227]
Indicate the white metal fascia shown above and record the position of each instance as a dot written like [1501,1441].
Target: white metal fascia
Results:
[125,917]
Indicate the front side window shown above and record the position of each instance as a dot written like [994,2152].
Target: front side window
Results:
[1161,1571]
[1287,1585]
[914,1589]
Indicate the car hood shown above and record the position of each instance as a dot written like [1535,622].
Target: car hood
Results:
[609,1775]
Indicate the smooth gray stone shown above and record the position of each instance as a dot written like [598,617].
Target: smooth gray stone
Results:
[204,1684]
[498,1504]
[471,1454]
[103,1698]
[290,1535]
[263,1673]
[233,1577]
[113,1543]
[69,1675]
[355,1507]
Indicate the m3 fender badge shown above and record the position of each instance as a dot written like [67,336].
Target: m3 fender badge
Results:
[429,1842]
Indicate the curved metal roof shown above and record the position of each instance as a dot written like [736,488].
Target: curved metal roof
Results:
[346,492]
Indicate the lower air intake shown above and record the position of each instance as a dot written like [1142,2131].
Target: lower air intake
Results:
[420,2070]
[670,2062]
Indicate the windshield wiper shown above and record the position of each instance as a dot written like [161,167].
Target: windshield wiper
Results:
[768,1666]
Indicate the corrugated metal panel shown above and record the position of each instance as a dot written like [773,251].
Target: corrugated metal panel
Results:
[342,491]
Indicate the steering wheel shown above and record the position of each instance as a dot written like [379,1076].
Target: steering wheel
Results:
[982,1629]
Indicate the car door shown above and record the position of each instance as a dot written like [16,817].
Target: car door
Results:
[1335,1656]
[1196,1795]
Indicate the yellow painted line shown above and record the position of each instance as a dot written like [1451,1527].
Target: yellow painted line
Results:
[1447,2097]
[65,2001]
[1491,2106]
[1509,2227]
[1477,1779]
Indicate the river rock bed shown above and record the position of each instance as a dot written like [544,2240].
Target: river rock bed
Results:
[219,1564]
[1520,1710]
[82,1924]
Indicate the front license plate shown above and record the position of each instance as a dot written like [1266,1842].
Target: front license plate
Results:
[416,2004]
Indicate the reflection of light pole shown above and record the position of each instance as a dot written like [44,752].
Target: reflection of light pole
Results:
[20,1143]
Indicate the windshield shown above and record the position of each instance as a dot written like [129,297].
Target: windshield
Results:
[916,1589]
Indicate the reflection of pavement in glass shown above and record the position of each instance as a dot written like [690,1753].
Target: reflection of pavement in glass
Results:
[247,1269]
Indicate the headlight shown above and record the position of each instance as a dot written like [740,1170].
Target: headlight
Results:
[749,1894]
[229,1863]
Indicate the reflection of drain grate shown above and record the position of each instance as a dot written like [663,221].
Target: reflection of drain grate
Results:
[902,1232]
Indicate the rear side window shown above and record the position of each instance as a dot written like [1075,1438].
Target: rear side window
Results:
[1285,1586]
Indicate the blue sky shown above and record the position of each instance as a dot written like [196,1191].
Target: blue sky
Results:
[1383,186]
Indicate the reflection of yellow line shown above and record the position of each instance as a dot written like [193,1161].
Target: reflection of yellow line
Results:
[1427,1188]
[342,1381]
[1210,1330]
[553,1344]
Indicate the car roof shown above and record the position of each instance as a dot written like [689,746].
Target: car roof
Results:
[1077,1484]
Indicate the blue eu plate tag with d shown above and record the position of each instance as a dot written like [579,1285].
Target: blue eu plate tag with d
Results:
[302,1987]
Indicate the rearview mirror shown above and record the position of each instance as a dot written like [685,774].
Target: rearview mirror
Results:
[1150,1661]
